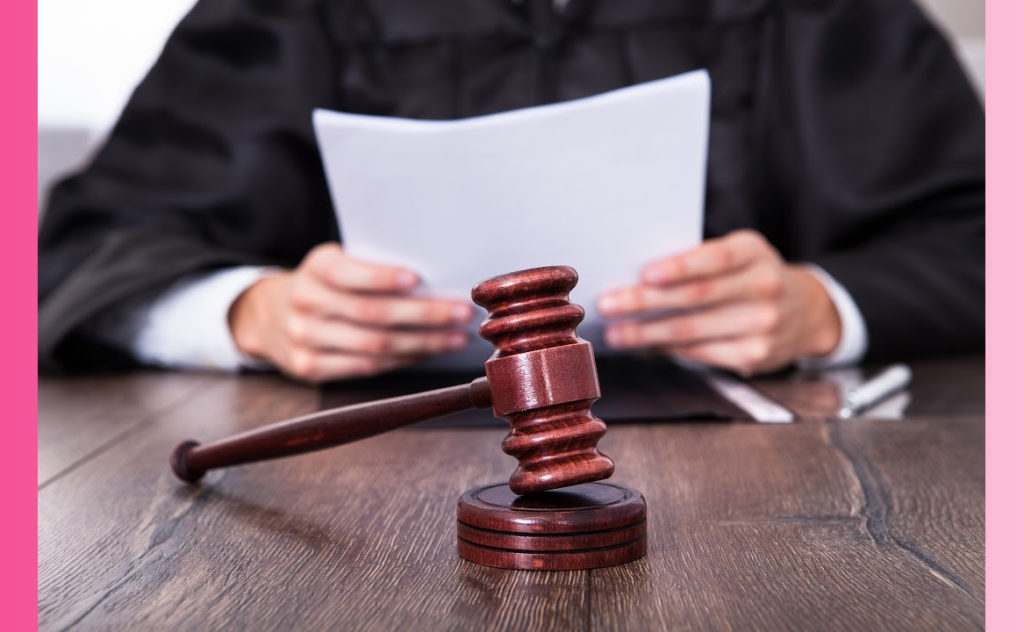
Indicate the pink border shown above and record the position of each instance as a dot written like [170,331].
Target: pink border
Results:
[18,184]
[1005,304]
[1004,471]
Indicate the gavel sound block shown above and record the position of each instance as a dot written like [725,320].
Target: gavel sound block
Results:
[554,513]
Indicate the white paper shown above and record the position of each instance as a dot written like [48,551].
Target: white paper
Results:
[604,184]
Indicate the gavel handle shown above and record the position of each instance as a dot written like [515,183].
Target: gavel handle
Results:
[326,429]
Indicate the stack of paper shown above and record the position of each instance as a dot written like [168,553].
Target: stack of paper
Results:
[604,184]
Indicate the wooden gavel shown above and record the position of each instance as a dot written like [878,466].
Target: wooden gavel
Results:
[542,379]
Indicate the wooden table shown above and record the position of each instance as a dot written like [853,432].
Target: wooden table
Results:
[822,524]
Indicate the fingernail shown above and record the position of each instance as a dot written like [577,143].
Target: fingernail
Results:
[406,279]
[456,341]
[608,303]
[461,312]
[655,274]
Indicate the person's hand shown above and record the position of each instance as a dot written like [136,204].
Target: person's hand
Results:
[335,317]
[732,302]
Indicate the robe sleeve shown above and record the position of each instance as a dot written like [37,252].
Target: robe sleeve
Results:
[876,155]
[211,164]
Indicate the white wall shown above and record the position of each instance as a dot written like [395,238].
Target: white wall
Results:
[91,56]
[964,22]
[964,18]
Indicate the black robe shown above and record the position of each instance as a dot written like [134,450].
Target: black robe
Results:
[843,130]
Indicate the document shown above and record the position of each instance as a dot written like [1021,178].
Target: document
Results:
[604,184]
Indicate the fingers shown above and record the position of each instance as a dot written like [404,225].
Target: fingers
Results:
[329,263]
[316,349]
[311,332]
[335,317]
[313,297]
[732,302]
[742,355]
[713,257]
[317,366]
[731,320]
[749,283]
[332,284]
[720,303]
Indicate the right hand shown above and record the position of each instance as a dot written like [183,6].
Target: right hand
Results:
[335,317]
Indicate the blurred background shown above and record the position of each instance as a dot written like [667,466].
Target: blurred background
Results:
[91,55]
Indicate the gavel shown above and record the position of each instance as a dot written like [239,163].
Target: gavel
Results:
[556,512]
[542,379]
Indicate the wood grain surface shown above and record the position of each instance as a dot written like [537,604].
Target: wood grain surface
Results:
[84,414]
[821,524]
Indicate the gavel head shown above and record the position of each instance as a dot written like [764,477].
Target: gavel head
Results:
[543,379]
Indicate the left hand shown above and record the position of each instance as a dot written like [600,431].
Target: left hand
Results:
[731,302]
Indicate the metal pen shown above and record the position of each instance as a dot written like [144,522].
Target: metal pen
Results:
[889,381]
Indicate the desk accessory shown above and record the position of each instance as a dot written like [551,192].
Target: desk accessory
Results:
[542,379]
[892,379]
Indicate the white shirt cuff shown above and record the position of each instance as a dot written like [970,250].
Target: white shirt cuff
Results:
[853,339]
[186,325]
